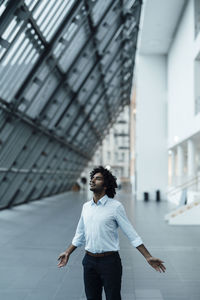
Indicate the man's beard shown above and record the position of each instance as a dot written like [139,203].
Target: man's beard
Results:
[97,190]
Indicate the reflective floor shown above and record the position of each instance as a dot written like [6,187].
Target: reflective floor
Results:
[33,235]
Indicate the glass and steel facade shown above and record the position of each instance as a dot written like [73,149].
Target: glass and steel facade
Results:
[66,71]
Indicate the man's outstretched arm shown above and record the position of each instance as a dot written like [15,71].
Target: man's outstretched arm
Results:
[156,263]
[78,240]
[135,239]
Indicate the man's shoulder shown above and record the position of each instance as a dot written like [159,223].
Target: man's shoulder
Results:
[87,203]
[114,202]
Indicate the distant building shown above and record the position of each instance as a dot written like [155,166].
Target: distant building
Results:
[115,149]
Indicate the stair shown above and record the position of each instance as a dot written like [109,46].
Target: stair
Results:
[185,215]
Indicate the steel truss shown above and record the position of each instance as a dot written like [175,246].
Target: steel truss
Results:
[66,71]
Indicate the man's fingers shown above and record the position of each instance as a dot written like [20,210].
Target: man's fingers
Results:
[163,268]
[62,262]
[61,256]
[157,269]
[60,265]
[157,264]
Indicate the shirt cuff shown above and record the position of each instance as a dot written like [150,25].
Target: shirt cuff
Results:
[76,243]
[137,242]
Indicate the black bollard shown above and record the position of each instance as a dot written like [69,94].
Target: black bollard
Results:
[146,196]
[158,196]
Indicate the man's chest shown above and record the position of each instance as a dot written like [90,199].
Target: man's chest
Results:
[98,215]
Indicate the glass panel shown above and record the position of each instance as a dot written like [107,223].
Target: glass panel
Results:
[103,44]
[99,9]
[113,70]
[42,96]
[72,51]
[3,6]
[12,29]
[2,52]
[21,67]
[18,59]
[50,14]
[66,120]
[62,41]
[56,108]
[46,12]
[58,18]
[28,2]
[112,55]
[82,67]
[129,4]
[31,3]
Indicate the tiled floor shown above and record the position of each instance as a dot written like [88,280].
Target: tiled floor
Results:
[32,236]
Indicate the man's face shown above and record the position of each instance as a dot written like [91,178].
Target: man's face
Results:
[97,183]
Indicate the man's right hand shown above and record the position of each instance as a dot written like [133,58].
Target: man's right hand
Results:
[63,257]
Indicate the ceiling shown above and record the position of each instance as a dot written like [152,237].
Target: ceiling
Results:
[158,25]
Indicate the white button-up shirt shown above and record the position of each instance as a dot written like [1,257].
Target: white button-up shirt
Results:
[98,224]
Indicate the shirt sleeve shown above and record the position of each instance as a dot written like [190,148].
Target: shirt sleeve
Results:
[127,227]
[79,237]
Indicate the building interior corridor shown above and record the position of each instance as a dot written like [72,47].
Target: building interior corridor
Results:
[87,83]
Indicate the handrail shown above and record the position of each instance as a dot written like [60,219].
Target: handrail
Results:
[35,170]
[185,184]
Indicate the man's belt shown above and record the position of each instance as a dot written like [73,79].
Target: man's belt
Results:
[101,254]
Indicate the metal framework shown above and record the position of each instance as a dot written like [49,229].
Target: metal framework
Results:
[66,69]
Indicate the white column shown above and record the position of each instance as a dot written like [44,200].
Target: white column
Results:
[191,158]
[173,162]
[180,163]
[173,166]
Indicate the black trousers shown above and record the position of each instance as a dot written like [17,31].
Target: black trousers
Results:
[102,272]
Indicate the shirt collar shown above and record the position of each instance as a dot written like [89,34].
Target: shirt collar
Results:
[101,201]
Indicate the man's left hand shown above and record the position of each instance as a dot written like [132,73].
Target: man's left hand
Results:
[157,264]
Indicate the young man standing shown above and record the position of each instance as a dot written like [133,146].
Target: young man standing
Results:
[97,230]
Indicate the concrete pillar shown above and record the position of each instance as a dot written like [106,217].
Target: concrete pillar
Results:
[173,166]
[191,159]
[180,163]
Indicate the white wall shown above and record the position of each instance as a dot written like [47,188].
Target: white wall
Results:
[151,126]
[182,122]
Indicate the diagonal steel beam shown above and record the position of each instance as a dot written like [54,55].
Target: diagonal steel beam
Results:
[5,107]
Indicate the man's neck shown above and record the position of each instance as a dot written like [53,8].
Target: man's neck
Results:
[96,197]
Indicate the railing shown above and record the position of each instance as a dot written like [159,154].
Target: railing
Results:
[187,184]
[37,171]
[177,195]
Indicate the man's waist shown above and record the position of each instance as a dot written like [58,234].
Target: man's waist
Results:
[102,254]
